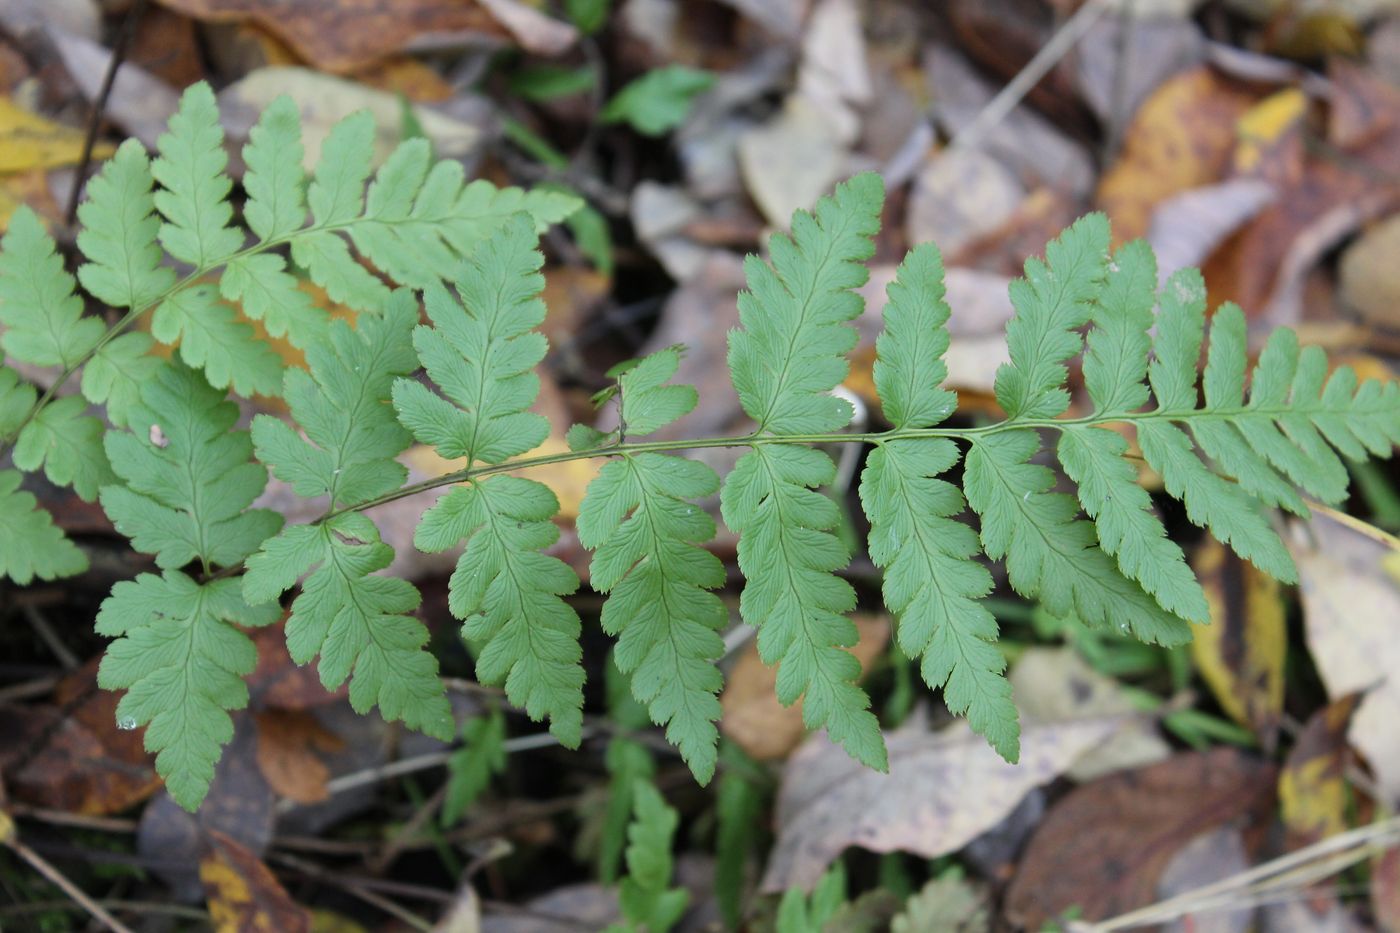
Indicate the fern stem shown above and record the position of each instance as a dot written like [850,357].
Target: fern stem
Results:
[755,440]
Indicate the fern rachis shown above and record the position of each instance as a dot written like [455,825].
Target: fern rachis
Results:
[178,478]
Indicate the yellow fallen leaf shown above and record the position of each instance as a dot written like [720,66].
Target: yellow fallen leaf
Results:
[1261,125]
[569,479]
[28,140]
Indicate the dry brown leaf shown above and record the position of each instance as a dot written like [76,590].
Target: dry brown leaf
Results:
[1385,891]
[537,33]
[1204,860]
[323,100]
[791,161]
[1370,278]
[1056,685]
[1181,138]
[1351,614]
[1312,787]
[343,35]
[959,196]
[288,741]
[755,720]
[139,102]
[943,790]
[243,894]
[279,682]
[1103,848]
[1240,654]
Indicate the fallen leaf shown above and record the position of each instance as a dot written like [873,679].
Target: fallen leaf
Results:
[783,18]
[1155,48]
[1312,787]
[1204,860]
[349,34]
[239,804]
[1025,140]
[54,760]
[1351,616]
[1262,126]
[167,45]
[536,32]
[139,102]
[754,719]
[1370,279]
[1103,848]
[943,790]
[1056,685]
[29,141]
[243,894]
[790,162]
[958,196]
[1241,653]
[24,18]
[834,76]
[1187,227]
[280,683]
[288,741]
[1326,191]
[944,905]
[1182,137]
[323,100]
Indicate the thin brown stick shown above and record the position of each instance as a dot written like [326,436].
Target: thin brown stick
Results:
[128,31]
[60,881]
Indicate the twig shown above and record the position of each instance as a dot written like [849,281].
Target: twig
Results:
[1296,869]
[50,638]
[10,840]
[119,48]
[408,832]
[1117,116]
[137,907]
[28,690]
[358,888]
[1068,35]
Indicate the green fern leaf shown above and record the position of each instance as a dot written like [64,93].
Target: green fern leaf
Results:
[480,354]
[471,767]
[117,371]
[67,443]
[1053,299]
[648,901]
[639,518]
[1231,514]
[187,478]
[357,622]
[1050,555]
[31,545]
[785,360]
[352,436]
[194,195]
[43,318]
[119,233]
[268,293]
[931,582]
[274,178]
[182,664]
[16,399]
[1115,372]
[213,339]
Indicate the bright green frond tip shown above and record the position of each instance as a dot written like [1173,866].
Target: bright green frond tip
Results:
[646,897]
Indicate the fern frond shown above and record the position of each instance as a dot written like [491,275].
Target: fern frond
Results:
[357,622]
[1231,514]
[1049,554]
[352,436]
[195,188]
[1115,372]
[1053,299]
[212,338]
[640,519]
[117,371]
[480,354]
[67,443]
[43,317]
[119,233]
[785,360]
[355,619]
[647,899]
[931,582]
[187,478]
[274,178]
[182,662]
[31,545]
[187,484]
